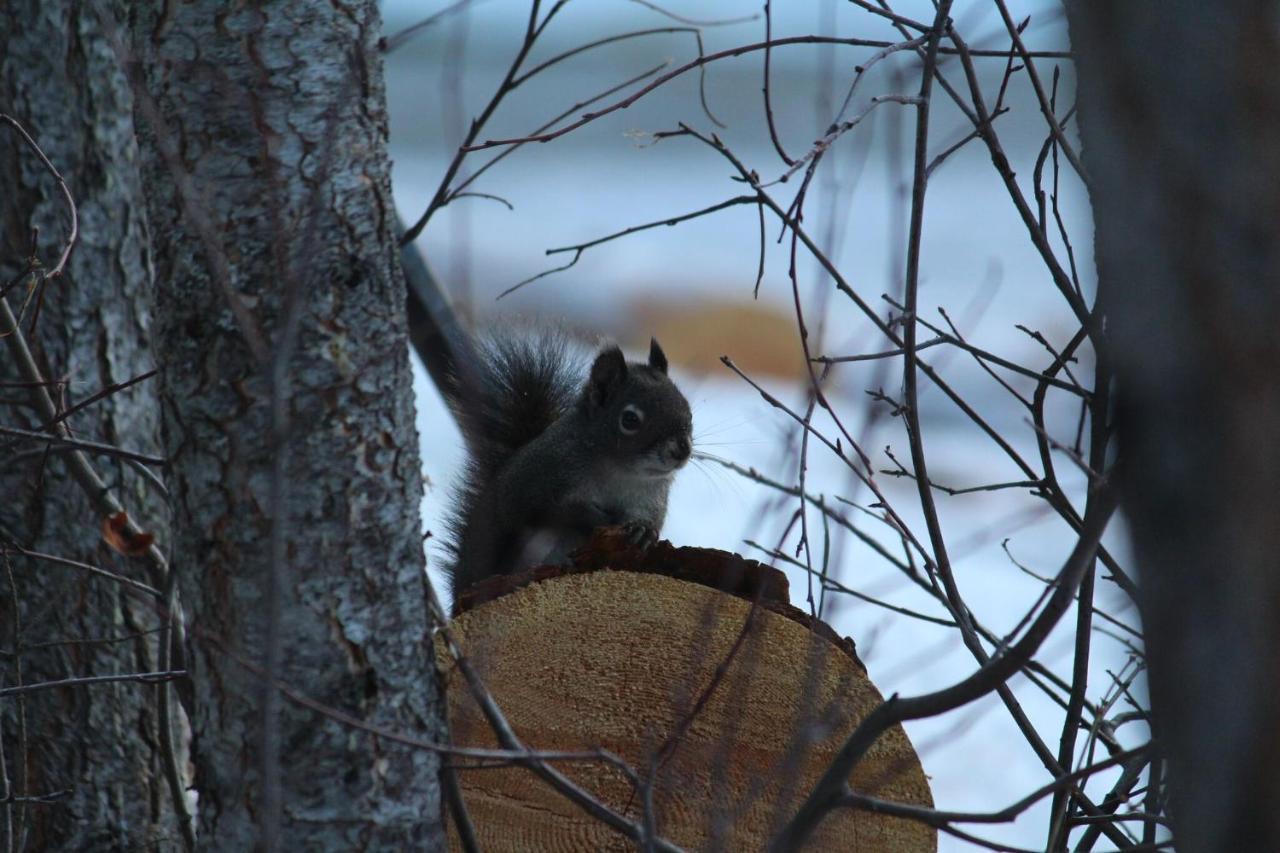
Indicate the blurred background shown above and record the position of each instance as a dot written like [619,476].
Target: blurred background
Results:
[691,285]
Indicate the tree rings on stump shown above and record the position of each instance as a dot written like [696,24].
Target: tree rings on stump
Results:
[690,666]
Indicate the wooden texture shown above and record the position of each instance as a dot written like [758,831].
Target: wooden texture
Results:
[616,659]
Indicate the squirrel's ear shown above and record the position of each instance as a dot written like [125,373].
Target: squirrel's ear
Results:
[607,373]
[657,358]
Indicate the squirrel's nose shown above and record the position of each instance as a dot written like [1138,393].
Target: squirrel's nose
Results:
[683,448]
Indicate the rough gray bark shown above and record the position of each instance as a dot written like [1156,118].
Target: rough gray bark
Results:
[288,411]
[1180,115]
[59,78]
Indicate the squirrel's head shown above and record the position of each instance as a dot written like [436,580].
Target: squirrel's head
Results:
[639,415]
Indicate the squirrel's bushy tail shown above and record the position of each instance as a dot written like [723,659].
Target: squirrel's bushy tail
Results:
[521,383]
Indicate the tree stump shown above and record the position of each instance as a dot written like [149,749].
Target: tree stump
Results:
[691,666]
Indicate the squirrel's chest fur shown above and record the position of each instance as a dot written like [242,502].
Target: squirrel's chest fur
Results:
[621,496]
[602,495]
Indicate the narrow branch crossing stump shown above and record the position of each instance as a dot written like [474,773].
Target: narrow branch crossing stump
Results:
[732,702]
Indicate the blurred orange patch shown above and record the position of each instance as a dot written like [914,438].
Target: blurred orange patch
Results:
[759,337]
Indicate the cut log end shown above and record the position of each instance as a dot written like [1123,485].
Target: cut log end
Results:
[732,702]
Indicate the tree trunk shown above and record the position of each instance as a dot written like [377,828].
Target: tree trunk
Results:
[60,80]
[1180,115]
[289,422]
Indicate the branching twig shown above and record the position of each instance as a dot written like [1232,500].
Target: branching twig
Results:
[833,785]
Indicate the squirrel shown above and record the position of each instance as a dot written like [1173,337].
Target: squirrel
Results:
[555,449]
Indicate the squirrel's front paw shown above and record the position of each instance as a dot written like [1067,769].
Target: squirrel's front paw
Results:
[640,535]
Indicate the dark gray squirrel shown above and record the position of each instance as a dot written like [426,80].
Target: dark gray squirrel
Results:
[556,449]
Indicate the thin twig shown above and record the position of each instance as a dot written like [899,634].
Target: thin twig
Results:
[833,785]
[139,677]
[78,443]
[93,570]
[61,265]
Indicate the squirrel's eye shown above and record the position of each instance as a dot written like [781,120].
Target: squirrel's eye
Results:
[630,420]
